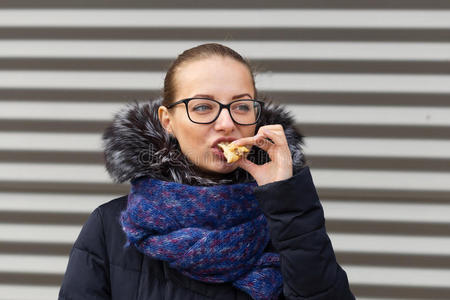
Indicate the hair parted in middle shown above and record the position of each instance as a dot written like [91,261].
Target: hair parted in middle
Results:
[196,53]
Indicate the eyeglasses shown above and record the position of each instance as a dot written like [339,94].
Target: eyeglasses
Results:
[206,111]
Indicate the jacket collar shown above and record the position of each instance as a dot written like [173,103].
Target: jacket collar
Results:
[135,144]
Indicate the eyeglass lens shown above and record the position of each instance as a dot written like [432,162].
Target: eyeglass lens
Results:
[205,111]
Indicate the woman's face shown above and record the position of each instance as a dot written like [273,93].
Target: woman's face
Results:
[220,78]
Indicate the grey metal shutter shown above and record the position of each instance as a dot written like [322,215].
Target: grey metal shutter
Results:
[368,82]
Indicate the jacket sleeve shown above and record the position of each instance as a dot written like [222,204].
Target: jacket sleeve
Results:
[86,274]
[297,228]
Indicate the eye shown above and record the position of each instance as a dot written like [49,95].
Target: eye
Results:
[202,107]
[243,107]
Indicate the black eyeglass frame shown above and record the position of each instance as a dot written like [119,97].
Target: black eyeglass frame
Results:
[227,106]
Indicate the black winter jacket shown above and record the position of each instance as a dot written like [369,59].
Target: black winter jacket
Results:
[100,267]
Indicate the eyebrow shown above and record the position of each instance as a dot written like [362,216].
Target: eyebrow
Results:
[209,96]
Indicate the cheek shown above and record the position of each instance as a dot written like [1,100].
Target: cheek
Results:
[248,131]
[187,133]
[193,139]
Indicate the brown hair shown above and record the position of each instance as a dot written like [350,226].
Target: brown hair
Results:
[196,53]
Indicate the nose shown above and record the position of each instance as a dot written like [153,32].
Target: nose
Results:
[224,121]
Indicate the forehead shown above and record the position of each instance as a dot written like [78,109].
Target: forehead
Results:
[215,76]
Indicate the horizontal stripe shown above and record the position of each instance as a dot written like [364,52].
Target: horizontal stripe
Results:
[285,97]
[403,292]
[334,209]
[262,65]
[348,242]
[328,161]
[80,80]
[322,130]
[50,141]
[35,248]
[73,187]
[356,274]
[324,178]
[397,276]
[385,195]
[83,96]
[370,115]
[42,264]
[318,130]
[253,50]
[51,156]
[62,110]
[253,4]
[377,147]
[39,233]
[354,82]
[45,218]
[390,260]
[310,114]
[269,18]
[382,243]
[62,126]
[404,228]
[52,202]
[408,212]
[384,180]
[29,292]
[265,81]
[323,146]
[39,172]
[216,34]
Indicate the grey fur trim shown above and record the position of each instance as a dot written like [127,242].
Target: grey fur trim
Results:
[135,144]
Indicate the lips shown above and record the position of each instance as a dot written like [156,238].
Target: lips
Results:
[219,153]
[223,139]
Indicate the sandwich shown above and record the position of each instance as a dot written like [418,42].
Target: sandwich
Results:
[232,152]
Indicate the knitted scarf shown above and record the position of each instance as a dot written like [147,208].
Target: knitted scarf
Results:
[209,233]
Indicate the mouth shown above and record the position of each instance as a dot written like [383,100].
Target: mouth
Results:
[225,140]
[219,153]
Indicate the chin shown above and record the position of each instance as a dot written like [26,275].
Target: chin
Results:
[214,165]
[220,167]
[224,168]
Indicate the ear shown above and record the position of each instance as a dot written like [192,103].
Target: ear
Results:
[165,119]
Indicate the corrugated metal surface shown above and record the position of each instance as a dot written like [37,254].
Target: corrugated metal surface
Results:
[368,81]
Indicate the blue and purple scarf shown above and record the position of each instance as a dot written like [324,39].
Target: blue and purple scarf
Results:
[212,234]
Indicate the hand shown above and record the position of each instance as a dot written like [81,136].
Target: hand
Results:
[280,166]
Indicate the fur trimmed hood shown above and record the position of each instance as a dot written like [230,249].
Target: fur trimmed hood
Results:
[135,144]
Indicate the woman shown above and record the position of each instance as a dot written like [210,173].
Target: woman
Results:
[194,226]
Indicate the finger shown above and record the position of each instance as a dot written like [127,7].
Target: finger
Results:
[257,140]
[276,134]
[254,139]
[265,144]
[280,151]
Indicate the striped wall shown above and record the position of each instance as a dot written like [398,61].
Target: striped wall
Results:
[368,83]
